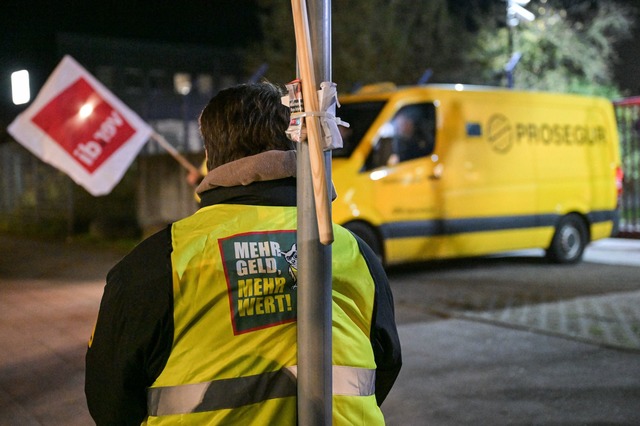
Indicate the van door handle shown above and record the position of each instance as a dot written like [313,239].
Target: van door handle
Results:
[437,172]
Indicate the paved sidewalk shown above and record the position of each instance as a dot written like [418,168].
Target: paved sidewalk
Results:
[614,251]
[612,320]
[49,298]
[44,330]
[465,373]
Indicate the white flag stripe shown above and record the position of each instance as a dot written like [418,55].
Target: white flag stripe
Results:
[107,141]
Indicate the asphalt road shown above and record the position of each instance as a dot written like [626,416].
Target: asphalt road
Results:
[436,290]
[498,341]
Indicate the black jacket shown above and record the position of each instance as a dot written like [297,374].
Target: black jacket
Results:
[133,335]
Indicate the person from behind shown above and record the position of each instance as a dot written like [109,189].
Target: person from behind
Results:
[197,325]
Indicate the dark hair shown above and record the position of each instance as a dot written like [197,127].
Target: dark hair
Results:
[244,120]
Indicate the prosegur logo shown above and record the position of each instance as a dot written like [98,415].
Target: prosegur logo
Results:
[499,133]
[502,135]
[261,269]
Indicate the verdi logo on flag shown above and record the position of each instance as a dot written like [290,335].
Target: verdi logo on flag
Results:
[80,127]
[84,125]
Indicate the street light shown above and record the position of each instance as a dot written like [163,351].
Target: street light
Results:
[515,13]
[20,87]
[182,85]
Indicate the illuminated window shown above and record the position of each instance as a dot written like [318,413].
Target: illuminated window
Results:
[205,84]
[182,83]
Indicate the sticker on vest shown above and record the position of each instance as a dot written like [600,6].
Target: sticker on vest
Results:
[261,269]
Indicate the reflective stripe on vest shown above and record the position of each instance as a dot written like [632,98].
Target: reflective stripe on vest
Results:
[236,392]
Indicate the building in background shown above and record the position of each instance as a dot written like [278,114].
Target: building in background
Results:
[167,85]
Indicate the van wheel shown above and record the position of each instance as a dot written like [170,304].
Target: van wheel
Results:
[368,235]
[569,240]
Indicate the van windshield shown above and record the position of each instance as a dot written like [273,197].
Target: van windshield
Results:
[360,116]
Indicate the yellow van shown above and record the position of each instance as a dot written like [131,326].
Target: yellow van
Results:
[440,171]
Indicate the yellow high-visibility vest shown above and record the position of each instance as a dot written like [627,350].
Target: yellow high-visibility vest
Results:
[233,359]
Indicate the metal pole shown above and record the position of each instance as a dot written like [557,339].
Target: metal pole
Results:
[314,258]
[70,208]
[510,48]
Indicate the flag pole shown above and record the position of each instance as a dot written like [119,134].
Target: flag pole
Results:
[311,103]
[173,152]
[314,258]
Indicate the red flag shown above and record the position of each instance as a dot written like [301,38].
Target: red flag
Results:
[78,126]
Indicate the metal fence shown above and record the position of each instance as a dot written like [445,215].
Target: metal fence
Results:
[628,117]
[36,198]
[33,194]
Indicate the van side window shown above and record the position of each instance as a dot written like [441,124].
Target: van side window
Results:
[409,135]
[360,116]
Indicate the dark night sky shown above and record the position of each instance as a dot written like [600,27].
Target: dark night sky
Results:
[194,21]
[34,23]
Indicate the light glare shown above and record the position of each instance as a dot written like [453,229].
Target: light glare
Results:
[20,92]
[85,111]
[378,174]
